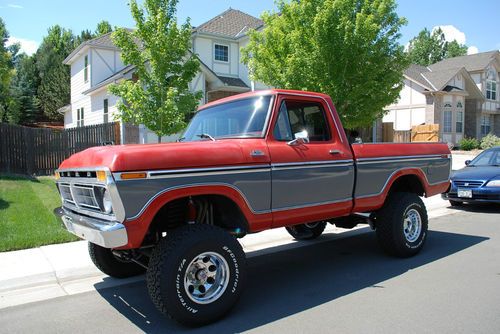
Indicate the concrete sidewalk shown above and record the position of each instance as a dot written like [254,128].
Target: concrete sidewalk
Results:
[66,269]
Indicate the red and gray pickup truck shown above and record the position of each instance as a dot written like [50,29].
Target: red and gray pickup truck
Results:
[248,163]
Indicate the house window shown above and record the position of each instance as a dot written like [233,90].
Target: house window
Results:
[460,121]
[79,117]
[447,121]
[105,113]
[86,69]
[221,52]
[491,85]
[491,90]
[485,125]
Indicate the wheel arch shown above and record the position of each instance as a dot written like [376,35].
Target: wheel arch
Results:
[223,196]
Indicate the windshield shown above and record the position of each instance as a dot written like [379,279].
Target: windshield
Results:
[243,118]
[487,158]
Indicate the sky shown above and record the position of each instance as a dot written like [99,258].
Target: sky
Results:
[474,23]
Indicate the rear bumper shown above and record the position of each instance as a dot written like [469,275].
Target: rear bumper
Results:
[108,234]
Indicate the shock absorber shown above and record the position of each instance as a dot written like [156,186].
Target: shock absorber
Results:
[191,216]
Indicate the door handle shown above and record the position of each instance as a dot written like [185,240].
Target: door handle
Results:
[334,152]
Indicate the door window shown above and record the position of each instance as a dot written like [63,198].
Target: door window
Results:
[295,117]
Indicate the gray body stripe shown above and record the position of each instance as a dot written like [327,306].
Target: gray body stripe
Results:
[312,204]
[399,158]
[197,185]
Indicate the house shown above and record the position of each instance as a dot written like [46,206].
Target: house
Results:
[95,64]
[460,94]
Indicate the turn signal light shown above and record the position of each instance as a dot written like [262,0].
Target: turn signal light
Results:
[129,176]
[101,175]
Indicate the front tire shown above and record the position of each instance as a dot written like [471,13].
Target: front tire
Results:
[402,225]
[196,274]
[108,263]
[306,231]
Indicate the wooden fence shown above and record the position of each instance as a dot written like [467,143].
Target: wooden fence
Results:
[425,133]
[35,151]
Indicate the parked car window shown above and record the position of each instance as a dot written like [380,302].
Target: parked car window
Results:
[485,159]
[295,116]
[243,118]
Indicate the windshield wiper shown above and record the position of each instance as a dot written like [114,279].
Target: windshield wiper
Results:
[181,139]
[206,136]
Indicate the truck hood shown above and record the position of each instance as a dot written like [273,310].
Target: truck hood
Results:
[143,157]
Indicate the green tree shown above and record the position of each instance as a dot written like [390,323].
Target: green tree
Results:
[23,90]
[429,48]
[103,27]
[345,48]
[6,73]
[160,51]
[54,89]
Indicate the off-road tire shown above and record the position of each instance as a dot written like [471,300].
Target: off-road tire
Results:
[171,259]
[306,231]
[390,224]
[108,263]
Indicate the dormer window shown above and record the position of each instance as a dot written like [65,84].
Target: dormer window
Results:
[86,69]
[221,52]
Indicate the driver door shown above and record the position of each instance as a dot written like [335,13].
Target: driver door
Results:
[313,177]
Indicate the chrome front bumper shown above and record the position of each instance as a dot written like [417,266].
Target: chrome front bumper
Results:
[108,234]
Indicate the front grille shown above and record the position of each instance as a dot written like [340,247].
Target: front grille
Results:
[65,190]
[468,184]
[83,196]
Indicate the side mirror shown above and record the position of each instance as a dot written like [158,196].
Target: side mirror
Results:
[467,162]
[301,138]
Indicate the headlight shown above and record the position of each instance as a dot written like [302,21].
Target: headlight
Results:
[106,202]
[493,183]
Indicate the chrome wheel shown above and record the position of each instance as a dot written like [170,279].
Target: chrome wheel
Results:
[412,225]
[206,278]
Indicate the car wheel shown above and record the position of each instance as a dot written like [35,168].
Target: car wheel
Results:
[402,225]
[111,265]
[306,231]
[196,274]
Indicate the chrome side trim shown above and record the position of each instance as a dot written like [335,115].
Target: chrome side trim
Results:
[235,169]
[326,102]
[390,177]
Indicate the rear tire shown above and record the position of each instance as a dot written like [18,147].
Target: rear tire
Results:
[402,224]
[196,274]
[108,263]
[306,231]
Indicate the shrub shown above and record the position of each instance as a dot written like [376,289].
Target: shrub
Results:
[468,144]
[490,140]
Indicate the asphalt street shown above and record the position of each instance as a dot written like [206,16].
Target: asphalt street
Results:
[344,285]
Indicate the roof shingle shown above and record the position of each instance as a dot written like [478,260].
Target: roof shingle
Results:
[475,62]
[231,23]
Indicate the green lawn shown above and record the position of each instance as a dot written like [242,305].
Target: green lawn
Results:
[26,218]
